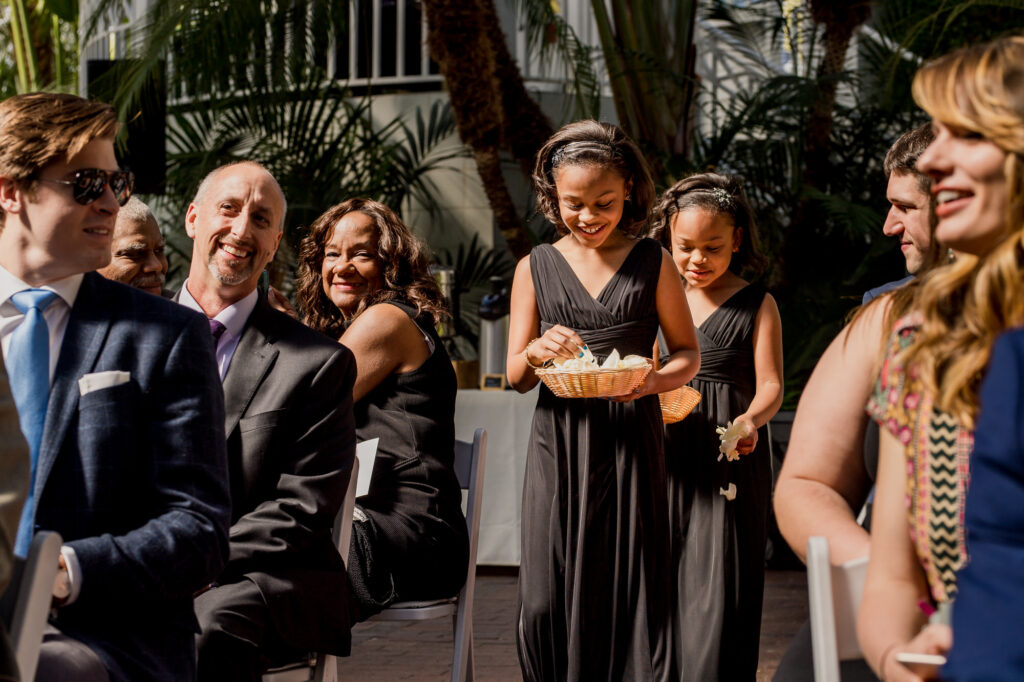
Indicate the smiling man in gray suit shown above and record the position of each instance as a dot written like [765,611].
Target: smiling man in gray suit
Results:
[290,435]
[118,398]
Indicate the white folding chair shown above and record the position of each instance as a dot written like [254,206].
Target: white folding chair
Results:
[32,606]
[325,668]
[834,593]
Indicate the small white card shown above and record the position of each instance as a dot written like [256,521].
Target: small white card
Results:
[97,380]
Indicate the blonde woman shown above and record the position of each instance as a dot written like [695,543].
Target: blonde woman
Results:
[926,398]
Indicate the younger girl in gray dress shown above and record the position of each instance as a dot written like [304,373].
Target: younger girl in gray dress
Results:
[718,505]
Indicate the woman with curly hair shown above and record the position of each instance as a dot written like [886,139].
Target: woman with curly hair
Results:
[926,399]
[363,278]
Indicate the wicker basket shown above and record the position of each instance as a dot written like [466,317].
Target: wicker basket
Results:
[595,383]
[677,403]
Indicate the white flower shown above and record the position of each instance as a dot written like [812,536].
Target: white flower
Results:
[730,435]
[730,492]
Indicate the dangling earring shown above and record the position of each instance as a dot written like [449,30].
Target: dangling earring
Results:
[950,256]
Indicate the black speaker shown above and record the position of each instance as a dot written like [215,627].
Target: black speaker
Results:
[143,148]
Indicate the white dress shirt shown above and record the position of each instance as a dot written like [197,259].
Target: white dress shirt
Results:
[56,315]
[233,318]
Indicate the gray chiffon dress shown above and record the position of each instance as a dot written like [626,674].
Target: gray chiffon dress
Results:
[718,545]
[595,593]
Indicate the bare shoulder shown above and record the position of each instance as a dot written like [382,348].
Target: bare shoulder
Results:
[382,322]
[769,307]
[523,267]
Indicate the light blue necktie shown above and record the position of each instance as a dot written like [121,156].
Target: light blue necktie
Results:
[28,367]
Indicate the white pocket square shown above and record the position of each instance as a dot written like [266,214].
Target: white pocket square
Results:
[97,380]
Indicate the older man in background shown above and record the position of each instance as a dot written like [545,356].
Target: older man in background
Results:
[290,437]
[137,250]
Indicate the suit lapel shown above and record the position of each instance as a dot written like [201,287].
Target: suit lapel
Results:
[87,329]
[250,363]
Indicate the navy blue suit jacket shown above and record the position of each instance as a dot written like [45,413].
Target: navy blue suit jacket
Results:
[988,615]
[134,477]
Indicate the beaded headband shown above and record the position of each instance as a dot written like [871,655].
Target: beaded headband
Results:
[572,149]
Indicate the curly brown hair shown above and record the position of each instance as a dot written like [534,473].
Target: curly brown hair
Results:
[717,194]
[600,144]
[405,262]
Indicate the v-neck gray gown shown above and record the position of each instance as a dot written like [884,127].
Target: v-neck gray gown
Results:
[595,594]
[718,545]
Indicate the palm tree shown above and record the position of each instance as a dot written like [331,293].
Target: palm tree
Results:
[492,109]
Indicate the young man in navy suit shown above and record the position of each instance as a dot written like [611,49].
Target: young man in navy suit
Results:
[290,435]
[119,400]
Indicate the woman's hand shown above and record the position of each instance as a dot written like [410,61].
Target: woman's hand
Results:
[557,342]
[279,301]
[746,445]
[934,639]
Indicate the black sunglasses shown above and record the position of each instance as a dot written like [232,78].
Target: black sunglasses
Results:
[88,185]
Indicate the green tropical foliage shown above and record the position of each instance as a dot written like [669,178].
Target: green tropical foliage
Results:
[42,38]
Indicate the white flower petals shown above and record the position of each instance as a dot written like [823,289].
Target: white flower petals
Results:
[588,362]
[730,435]
[730,492]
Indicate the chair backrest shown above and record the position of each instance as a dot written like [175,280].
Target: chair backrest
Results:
[366,453]
[470,459]
[834,594]
[32,606]
[343,522]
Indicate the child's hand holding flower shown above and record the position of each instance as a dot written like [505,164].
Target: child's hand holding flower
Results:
[738,438]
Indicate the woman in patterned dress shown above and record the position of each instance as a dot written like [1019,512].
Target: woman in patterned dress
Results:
[926,398]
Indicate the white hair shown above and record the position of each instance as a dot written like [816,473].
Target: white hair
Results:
[136,211]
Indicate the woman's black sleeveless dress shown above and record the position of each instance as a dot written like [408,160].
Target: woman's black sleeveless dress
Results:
[594,590]
[718,545]
[414,538]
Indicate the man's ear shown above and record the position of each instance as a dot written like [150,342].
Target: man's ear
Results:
[190,219]
[12,196]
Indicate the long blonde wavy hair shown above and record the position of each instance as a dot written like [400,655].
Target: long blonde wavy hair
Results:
[966,304]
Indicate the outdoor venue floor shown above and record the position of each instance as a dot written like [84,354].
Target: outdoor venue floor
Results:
[386,651]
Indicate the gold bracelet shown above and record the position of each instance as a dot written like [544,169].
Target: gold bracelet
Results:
[526,355]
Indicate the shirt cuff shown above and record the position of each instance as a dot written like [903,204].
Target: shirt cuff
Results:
[74,572]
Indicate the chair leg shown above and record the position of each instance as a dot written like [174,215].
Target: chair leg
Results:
[328,668]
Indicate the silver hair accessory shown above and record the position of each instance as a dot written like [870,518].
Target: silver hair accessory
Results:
[721,197]
[573,149]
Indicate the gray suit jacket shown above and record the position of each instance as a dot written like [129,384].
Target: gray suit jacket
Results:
[291,444]
[14,476]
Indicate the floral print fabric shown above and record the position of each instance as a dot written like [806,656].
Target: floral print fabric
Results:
[936,450]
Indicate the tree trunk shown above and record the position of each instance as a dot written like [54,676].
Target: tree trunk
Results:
[483,83]
[525,128]
[841,20]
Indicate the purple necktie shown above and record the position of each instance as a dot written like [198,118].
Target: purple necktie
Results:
[217,330]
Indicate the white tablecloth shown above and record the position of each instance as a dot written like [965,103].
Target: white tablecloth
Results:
[507,416]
